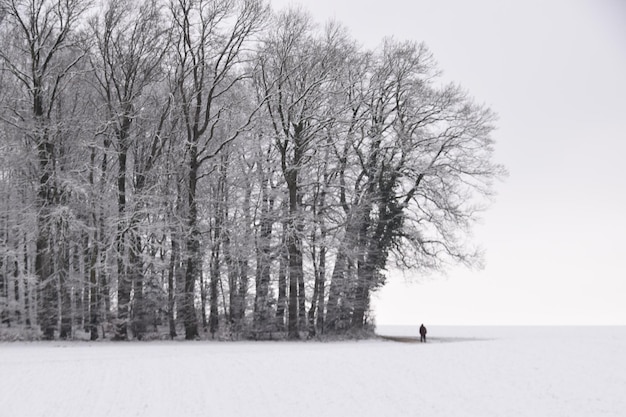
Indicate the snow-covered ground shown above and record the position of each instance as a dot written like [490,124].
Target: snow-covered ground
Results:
[462,371]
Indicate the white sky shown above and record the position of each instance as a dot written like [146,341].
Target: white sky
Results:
[555,72]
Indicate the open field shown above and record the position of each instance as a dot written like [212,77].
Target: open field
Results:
[462,371]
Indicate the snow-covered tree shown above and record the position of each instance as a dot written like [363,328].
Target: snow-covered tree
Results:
[165,161]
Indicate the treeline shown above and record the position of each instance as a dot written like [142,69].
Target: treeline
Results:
[217,166]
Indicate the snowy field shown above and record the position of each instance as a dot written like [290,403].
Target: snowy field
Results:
[462,371]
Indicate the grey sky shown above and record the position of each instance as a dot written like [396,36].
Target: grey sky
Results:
[555,72]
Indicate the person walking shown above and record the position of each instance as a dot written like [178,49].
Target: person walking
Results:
[423,332]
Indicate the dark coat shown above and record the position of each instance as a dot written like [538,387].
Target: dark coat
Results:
[423,330]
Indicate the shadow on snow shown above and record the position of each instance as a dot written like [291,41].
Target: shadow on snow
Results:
[413,339]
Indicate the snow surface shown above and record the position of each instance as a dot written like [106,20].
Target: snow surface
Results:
[462,371]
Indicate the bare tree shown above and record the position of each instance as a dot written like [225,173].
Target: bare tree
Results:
[298,72]
[211,39]
[131,44]
[44,37]
[419,161]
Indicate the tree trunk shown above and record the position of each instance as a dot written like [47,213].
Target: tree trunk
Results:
[93,290]
[242,260]
[65,298]
[92,250]
[124,278]
[47,293]
[139,319]
[341,284]
[317,301]
[214,290]
[218,235]
[232,282]
[364,272]
[283,260]
[263,262]
[361,300]
[336,292]
[194,257]
[171,289]
[312,309]
[321,290]
[242,290]
[295,258]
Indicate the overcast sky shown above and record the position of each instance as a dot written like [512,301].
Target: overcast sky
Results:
[555,72]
